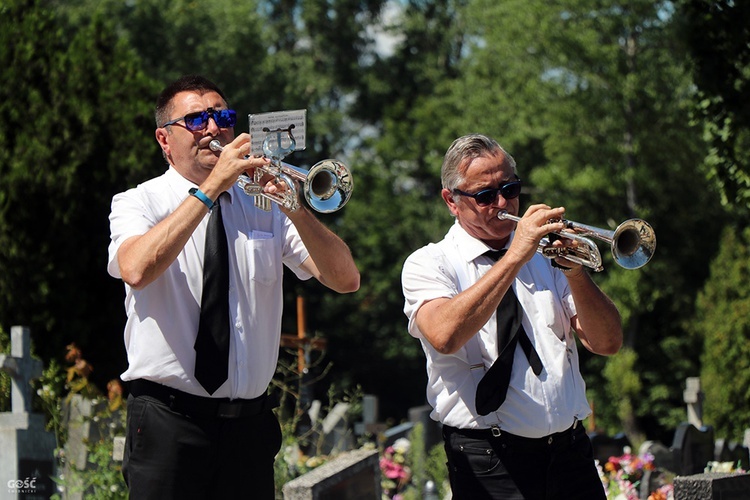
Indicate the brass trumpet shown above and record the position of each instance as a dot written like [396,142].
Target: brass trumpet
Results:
[632,243]
[327,186]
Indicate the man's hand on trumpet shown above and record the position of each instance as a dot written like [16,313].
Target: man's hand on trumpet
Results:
[570,268]
[234,160]
[540,221]
[235,156]
[537,222]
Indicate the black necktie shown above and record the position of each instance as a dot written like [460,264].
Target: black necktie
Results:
[212,342]
[493,387]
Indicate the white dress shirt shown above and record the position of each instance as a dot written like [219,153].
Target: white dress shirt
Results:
[162,318]
[534,406]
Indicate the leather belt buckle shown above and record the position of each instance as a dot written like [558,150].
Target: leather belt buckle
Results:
[229,410]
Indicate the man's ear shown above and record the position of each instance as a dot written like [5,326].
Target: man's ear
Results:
[448,199]
[161,137]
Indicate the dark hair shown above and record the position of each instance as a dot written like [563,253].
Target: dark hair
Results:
[187,83]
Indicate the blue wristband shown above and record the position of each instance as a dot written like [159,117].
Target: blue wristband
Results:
[202,196]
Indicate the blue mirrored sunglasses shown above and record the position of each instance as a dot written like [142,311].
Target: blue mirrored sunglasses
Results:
[224,118]
[485,197]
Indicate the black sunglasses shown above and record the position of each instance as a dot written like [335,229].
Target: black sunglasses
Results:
[485,197]
[224,118]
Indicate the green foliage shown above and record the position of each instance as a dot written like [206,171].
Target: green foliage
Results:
[426,465]
[407,467]
[103,481]
[437,471]
[717,34]
[50,391]
[302,443]
[101,477]
[72,111]
[624,382]
[723,321]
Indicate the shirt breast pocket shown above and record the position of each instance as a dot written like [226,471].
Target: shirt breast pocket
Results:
[262,260]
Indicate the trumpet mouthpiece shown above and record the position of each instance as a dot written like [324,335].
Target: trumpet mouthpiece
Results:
[215,145]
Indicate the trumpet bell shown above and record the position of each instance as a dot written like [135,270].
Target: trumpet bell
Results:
[633,244]
[328,186]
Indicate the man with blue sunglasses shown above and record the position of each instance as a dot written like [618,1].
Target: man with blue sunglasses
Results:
[194,431]
[497,323]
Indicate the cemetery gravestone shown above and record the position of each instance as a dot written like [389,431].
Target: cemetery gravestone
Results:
[369,424]
[27,460]
[661,474]
[392,434]
[353,474]
[714,486]
[432,434]
[336,430]
[663,457]
[692,449]
[606,446]
[725,451]
[83,429]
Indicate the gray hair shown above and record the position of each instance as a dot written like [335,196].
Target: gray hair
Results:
[468,147]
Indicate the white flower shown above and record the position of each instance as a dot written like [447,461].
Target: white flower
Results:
[720,467]
[402,446]
[292,455]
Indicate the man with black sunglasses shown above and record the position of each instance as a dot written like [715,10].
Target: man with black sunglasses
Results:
[200,422]
[497,322]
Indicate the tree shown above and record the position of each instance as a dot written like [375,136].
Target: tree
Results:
[71,116]
[722,320]
[717,34]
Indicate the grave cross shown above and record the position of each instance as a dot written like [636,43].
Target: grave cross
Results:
[21,367]
[302,342]
[693,396]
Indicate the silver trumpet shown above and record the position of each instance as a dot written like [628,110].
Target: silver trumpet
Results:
[632,243]
[327,186]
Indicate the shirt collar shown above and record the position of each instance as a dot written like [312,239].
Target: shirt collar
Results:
[182,185]
[469,247]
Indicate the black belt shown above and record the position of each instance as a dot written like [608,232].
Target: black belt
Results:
[496,432]
[198,406]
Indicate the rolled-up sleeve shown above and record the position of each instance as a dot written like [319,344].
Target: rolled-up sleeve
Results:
[425,276]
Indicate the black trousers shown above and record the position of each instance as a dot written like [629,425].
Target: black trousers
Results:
[171,455]
[557,467]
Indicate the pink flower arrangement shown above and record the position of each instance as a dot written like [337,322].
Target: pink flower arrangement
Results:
[621,477]
[396,472]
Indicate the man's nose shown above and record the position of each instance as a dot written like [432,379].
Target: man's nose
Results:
[500,201]
[212,127]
